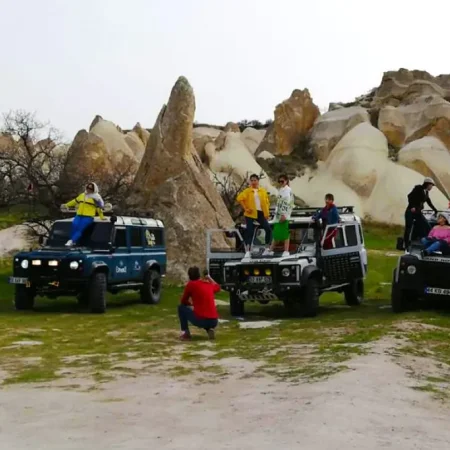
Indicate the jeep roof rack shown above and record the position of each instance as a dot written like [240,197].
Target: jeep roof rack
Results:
[300,211]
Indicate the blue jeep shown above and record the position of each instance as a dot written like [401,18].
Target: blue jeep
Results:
[115,254]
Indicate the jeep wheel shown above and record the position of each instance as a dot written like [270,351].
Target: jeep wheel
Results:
[354,293]
[237,307]
[24,298]
[310,302]
[151,291]
[97,293]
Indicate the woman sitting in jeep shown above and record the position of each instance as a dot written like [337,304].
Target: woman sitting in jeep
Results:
[439,237]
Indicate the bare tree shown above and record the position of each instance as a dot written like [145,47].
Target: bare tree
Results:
[34,169]
[230,185]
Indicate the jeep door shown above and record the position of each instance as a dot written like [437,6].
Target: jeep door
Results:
[222,246]
[154,249]
[136,258]
[120,266]
[341,253]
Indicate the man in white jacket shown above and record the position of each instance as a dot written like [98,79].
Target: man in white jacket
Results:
[285,204]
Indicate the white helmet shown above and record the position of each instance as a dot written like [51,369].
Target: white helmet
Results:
[429,180]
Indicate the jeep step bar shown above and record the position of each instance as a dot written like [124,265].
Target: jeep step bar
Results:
[125,286]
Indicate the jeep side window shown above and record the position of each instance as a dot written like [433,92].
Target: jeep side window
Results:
[121,237]
[136,236]
[350,232]
[153,237]
[361,237]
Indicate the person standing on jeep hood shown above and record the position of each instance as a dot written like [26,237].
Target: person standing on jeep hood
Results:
[88,204]
[416,200]
[256,204]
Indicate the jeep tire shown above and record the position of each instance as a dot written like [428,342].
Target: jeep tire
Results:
[402,300]
[97,293]
[237,307]
[24,298]
[354,293]
[310,299]
[151,290]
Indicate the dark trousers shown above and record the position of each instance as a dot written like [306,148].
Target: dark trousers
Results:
[421,227]
[250,228]
[186,315]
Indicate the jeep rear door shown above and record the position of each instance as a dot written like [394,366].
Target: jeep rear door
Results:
[222,246]
[341,253]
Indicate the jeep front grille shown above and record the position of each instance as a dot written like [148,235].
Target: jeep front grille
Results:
[435,274]
[343,267]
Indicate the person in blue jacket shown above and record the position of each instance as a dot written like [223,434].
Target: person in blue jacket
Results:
[329,213]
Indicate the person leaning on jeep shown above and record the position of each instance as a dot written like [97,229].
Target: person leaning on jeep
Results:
[416,200]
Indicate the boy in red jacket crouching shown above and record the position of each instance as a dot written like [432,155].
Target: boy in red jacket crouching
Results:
[199,294]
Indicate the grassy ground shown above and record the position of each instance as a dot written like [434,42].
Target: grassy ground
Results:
[59,341]
[16,215]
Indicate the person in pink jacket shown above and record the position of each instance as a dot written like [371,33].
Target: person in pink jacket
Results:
[439,237]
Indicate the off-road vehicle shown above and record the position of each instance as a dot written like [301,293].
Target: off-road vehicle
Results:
[299,279]
[418,277]
[114,254]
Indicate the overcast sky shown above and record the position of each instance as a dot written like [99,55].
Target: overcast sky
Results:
[71,60]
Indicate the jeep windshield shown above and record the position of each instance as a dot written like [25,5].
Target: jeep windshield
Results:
[300,234]
[96,236]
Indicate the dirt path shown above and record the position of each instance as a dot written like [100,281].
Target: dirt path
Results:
[371,406]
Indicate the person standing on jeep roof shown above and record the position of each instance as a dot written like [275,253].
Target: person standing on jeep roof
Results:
[88,205]
[416,200]
[285,204]
[199,294]
[256,204]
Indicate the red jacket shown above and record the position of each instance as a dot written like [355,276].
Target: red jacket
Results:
[201,294]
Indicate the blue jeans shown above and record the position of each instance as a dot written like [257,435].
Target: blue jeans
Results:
[434,245]
[251,228]
[79,224]
[186,315]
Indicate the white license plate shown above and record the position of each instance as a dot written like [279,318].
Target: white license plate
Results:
[259,280]
[18,280]
[437,291]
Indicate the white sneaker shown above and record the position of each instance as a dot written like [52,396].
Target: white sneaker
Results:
[69,243]
[247,255]
[285,254]
[268,252]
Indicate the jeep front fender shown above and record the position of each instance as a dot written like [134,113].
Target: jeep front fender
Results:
[308,272]
[152,264]
[96,265]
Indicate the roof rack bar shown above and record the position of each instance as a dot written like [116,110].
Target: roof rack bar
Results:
[301,211]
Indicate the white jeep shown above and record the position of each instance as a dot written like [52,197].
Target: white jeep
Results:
[300,278]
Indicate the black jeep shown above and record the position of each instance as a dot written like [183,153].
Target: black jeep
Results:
[419,277]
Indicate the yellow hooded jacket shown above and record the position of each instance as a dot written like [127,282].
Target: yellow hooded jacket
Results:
[247,199]
[88,205]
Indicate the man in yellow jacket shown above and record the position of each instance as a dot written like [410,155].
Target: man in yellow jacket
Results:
[256,204]
[88,205]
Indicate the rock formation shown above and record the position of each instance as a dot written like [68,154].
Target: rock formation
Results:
[332,126]
[294,119]
[173,182]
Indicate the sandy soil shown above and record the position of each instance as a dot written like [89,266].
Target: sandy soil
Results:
[371,406]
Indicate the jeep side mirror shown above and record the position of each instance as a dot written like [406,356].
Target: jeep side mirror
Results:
[42,240]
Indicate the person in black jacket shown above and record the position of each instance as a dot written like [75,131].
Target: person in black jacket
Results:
[416,200]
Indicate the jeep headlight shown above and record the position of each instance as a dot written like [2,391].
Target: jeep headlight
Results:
[411,270]
[36,262]
[285,272]
[74,265]
[24,264]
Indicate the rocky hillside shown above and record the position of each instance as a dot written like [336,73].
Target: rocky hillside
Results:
[369,152]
